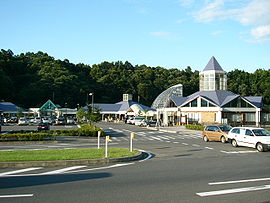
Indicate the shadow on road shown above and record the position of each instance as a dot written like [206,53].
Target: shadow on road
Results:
[26,181]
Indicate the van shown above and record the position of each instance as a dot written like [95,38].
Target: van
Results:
[257,138]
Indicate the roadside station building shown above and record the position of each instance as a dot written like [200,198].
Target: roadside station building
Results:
[51,109]
[124,109]
[213,103]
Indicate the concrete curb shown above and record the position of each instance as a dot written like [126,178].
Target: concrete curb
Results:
[91,162]
[27,142]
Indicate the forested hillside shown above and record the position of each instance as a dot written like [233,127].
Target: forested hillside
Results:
[30,79]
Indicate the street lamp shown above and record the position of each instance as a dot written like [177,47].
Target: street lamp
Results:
[92,105]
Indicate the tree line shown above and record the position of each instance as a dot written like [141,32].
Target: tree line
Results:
[30,79]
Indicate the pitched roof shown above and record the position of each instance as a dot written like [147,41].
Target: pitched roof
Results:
[257,101]
[8,106]
[218,97]
[213,65]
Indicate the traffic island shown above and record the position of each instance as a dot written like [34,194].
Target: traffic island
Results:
[114,158]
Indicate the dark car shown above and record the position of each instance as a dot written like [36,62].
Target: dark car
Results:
[43,126]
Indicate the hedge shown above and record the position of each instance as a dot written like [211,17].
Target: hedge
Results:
[195,127]
[85,130]
[27,137]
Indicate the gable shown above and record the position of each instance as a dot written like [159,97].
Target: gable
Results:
[238,102]
[49,105]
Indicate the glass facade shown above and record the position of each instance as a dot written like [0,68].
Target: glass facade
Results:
[162,100]
[213,81]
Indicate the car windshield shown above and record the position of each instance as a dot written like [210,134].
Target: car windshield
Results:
[225,128]
[261,132]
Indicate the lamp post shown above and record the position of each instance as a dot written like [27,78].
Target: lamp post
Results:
[92,104]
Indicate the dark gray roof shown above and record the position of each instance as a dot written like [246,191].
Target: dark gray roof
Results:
[217,97]
[8,106]
[257,101]
[178,100]
[213,65]
[108,107]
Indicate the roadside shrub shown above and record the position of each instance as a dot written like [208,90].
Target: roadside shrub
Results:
[85,130]
[195,127]
[27,137]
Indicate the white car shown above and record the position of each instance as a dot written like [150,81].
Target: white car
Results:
[257,138]
[138,121]
[23,121]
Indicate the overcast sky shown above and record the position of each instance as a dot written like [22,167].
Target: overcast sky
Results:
[167,33]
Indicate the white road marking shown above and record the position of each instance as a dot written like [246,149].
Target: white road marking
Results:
[19,171]
[238,152]
[185,144]
[209,148]
[161,137]
[63,170]
[175,142]
[12,196]
[239,181]
[156,138]
[196,145]
[231,191]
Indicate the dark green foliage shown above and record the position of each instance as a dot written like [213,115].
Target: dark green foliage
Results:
[30,79]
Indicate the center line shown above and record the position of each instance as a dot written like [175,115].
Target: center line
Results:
[11,196]
[239,181]
[230,191]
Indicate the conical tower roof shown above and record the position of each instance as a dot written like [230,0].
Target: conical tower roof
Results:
[213,65]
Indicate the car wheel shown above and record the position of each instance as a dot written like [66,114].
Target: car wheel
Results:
[234,143]
[260,147]
[205,138]
[223,139]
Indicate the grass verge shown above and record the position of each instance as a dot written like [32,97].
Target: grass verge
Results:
[64,154]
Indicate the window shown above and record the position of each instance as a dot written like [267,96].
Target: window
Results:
[248,133]
[236,131]
[211,105]
[203,103]
[250,117]
[194,103]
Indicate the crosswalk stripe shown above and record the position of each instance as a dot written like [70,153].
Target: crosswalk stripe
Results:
[62,170]
[19,171]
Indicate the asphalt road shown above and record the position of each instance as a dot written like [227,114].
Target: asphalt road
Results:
[183,168]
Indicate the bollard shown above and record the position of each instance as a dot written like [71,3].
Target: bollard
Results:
[99,134]
[132,135]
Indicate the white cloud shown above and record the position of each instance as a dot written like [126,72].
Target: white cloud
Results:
[256,13]
[261,33]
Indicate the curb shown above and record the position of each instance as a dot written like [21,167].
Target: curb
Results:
[27,142]
[92,162]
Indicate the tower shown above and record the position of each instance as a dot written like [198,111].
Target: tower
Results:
[213,77]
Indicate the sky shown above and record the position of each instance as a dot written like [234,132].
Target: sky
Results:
[166,33]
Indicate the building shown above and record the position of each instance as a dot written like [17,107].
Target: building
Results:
[124,109]
[213,103]
[52,110]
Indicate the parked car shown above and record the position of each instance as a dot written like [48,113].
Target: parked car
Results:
[43,126]
[138,120]
[216,133]
[47,120]
[257,138]
[70,120]
[60,121]
[23,121]
[130,120]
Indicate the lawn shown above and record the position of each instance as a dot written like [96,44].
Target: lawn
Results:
[64,154]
